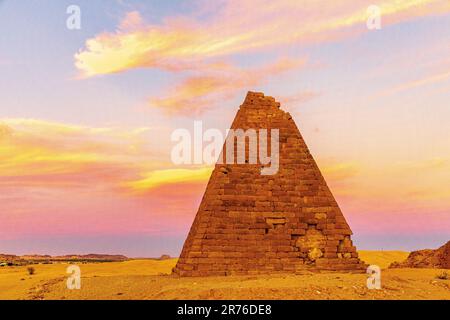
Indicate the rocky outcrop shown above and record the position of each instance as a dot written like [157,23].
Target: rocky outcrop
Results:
[428,258]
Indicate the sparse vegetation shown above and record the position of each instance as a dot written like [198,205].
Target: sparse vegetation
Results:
[31,271]
[443,276]
[149,279]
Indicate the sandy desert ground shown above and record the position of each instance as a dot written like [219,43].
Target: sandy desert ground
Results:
[151,279]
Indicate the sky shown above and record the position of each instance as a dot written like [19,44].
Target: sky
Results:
[86,114]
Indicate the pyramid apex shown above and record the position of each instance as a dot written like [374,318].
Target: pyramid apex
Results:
[260,99]
[255,94]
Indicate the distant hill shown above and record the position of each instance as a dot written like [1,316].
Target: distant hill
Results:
[35,258]
[382,258]
[92,256]
[8,257]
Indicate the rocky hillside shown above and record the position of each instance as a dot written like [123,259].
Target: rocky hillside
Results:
[28,259]
[428,258]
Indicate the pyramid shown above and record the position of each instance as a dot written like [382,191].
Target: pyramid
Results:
[250,223]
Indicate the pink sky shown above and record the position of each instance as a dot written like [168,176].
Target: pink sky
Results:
[86,115]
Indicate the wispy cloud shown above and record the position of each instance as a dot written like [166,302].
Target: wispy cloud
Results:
[160,178]
[296,99]
[58,178]
[198,47]
[199,92]
[428,80]
[36,153]
[234,27]
[36,148]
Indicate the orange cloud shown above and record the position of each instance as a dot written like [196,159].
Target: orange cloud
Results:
[159,178]
[60,179]
[233,27]
[229,28]
[389,186]
[338,172]
[218,84]
[296,99]
[431,79]
[36,152]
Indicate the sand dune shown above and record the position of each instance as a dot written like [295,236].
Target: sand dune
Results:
[151,279]
[382,258]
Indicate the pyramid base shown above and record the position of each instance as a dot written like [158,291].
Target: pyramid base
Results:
[320,266]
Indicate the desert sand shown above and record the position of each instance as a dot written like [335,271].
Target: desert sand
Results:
[151,279]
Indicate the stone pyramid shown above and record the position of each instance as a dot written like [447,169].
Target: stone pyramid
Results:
[249,223]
